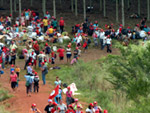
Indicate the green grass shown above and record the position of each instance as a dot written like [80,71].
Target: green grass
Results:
[90,79]
[4,95]
[2,110]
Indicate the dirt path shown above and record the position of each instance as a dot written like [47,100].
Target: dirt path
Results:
[20,103]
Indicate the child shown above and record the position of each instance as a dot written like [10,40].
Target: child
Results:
[17,70]
[36,83]
[12,68]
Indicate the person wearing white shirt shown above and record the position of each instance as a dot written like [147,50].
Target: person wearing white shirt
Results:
[32,57]
[41,58]
[108,43]
[102,36]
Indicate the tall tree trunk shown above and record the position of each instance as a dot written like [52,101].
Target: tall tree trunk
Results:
[15,5]
[117,19]
[11,10]
[2,1]
[84,9]
[60,3]
[139,7]
[54,8]
[104,1]
[44,6]
[72,5]
[20,8]
[90,3]
[123,20]
[31,2]
[76,7]
[148,15]
[100,5]
[128,4]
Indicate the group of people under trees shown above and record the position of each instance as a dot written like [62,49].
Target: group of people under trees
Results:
[31,31]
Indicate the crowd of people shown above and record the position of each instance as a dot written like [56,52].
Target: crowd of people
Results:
[30,31]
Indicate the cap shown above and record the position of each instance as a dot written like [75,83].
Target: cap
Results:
[68,46]
[68,87]
[12,65]
[29,64]
[46,44]
[77,48]
[91,104]
[12,71]
[108,36]
[76,100]
[55,104]
[50,101]
[43,63]
[33,105]
[58,108]
[35,73]
[105,111]
[95,102]
[71,106]
[78,106]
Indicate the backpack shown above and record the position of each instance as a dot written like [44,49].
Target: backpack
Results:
[27,83]
[48,50]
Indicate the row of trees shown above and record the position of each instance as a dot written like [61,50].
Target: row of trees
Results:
[75,3]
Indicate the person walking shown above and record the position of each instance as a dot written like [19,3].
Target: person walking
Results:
[13,80]
[36,83]
[28,84]
[109,44]
[44,72]
[61,24]
[68,53]
[69,96]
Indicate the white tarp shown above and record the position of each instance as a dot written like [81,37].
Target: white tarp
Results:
[73,88]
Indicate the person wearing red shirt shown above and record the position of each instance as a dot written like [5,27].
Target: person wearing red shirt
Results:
[61,24]
[61,53]
[36,47]
[13,80]
[53,56]
[70,109]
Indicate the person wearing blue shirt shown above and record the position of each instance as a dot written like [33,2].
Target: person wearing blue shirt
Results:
[48,15]
[29,81]
[59,96]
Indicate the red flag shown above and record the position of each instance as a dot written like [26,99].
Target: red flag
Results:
[54,92]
